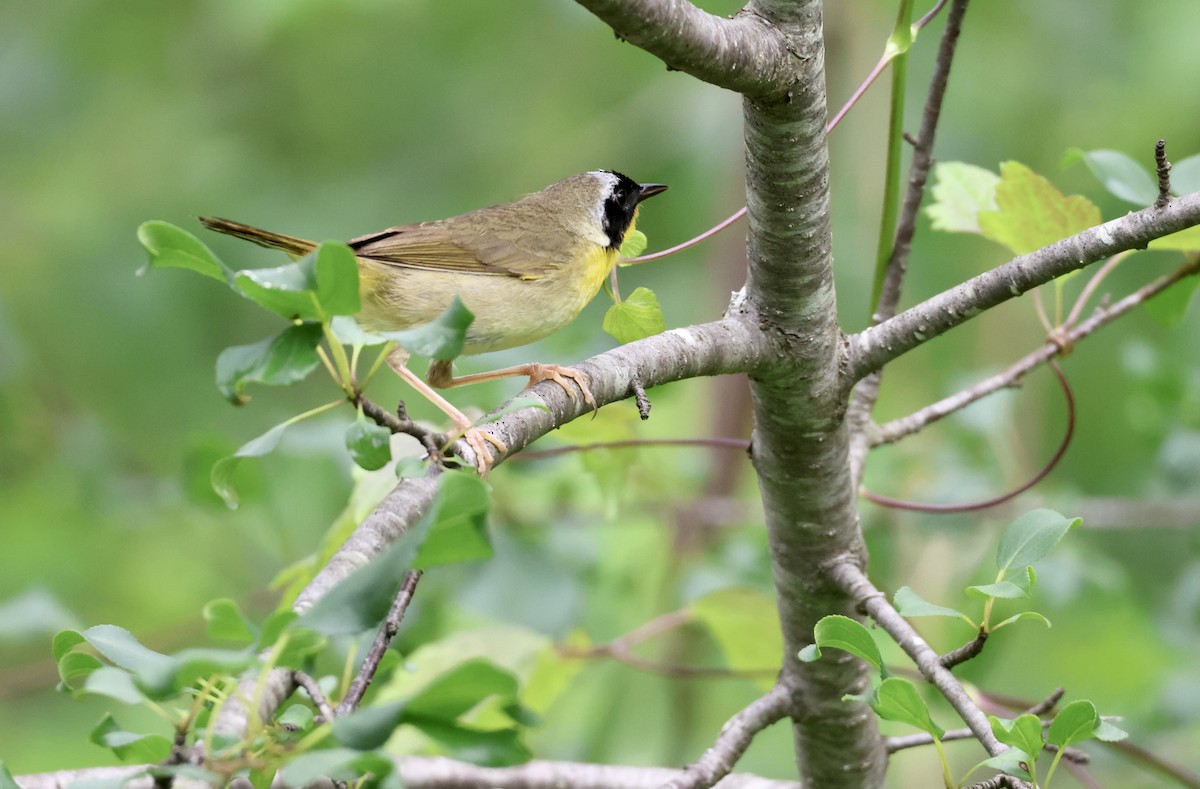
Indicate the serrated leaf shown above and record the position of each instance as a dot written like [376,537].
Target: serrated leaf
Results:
[1185,175]
[348,332]
[128,746]
[337,279]
[1120,174]
[960,191]
[1032,536]
[1076,722]
[1031,213]
[1003,589]
[909,603]
[284,359]
[636,317]
[745,624]
[224,620]
[1024,733]
[849,635]
[896,699]
[370,445]
[173,247]
[442,338]
[123,649]
[634,244]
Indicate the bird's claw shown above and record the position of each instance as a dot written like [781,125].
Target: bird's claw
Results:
[478,440]
[558,374]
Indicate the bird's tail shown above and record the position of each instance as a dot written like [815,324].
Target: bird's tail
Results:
[264,238]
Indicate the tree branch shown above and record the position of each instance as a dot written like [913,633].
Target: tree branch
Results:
[735,737]
[438,772]
[875,346]
[387,631]
[860,588]
[897,429]
[745,54]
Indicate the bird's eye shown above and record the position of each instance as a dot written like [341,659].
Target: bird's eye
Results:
[619,194]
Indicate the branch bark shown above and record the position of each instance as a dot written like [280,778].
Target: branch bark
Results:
[875,346]
[745,54]
[801,439]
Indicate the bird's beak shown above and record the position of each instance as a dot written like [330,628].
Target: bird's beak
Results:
[650,190]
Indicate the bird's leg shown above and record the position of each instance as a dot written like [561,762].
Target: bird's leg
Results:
[441,375]
[476,438]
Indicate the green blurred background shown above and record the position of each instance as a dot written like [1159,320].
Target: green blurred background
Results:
[332,119]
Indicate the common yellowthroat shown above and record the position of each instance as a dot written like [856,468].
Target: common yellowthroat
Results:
[525,269]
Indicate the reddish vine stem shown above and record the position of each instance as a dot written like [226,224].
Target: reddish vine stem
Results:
[917,506]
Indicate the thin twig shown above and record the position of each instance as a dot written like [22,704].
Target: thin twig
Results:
[639,396]
[859,588]
[974,506]
[1046,704]
[400,423]
[967,651]
[387,631]
[324,709]
[735,737]
[897,429]
[1163,168]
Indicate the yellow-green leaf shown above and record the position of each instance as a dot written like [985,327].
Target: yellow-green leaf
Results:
[637,317]
[1032,213]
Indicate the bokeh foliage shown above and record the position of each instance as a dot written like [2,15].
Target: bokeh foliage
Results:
[333,119]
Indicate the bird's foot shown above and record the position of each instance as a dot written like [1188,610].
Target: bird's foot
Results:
[559,375]
[478,440]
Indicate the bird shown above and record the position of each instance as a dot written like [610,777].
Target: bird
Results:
[524,269]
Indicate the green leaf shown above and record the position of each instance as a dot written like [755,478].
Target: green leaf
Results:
[361,601]
[284,359]
[370,444]
[339,764]
[1032,213]
[289,290]
[173,247]
[1024,733]
[842,632]
[460,689]
[1184,241]
[368,727]
[1107,732]
[6,778]
[298,717]
[1185,175]
[960,192]
[1014,761]
[128,746]
[909,603]
[121,648]
[224,620]
[337,279]
[222,471]
[1005,589]
[897,700]
[1119,173]
[459,516]
[745,623]
[65,641]
[634,244]
[114,683]
[636,317]
[1032,536]
[348,332]
[1170,306]
[1076,722]
[495,748]
[442,338]
[518,403]
[1034,615]
[76,665]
